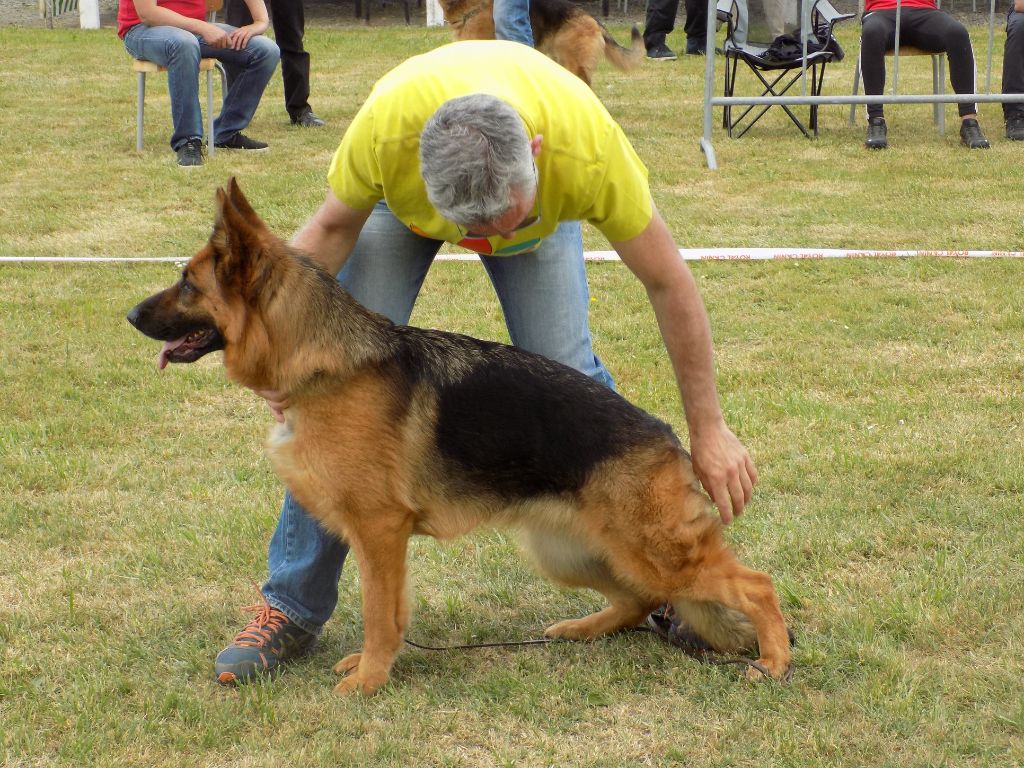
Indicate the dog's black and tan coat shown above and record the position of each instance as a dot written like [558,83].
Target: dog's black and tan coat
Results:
[394,431]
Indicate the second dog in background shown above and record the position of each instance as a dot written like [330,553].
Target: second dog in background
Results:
[561,30]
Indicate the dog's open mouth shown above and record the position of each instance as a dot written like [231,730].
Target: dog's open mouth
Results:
[190,347]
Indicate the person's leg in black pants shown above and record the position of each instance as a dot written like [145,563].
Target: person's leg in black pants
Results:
[661,20]
[696,27]
[937,31]
[289,21]
[930,30]
[877,35]
[1013,72]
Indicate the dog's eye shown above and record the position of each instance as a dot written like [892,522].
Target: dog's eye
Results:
[187,287]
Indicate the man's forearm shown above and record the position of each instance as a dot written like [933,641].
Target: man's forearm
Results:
[682,320]
[686,332]
[331,234]
[720,461]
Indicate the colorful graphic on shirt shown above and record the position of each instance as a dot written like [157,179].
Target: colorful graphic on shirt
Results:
[511,250]
[475,244]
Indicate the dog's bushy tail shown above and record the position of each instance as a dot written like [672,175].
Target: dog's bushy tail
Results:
[624,59]
[724,629]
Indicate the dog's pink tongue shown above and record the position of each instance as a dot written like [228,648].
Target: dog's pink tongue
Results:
[169,346]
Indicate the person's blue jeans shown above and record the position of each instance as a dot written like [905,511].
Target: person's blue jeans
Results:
[512,21]
[180,51]
[545,300]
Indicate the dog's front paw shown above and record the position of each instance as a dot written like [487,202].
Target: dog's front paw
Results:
[360,682]
[355,684]
[359,678]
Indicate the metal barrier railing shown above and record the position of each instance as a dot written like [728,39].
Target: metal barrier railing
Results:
[711,100]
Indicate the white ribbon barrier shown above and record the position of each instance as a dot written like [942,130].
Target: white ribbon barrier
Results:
[688,254]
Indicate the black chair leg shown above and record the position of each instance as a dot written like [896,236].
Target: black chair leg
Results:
[771,88]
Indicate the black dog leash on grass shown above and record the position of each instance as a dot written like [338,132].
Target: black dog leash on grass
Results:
[474,646]
[657,624]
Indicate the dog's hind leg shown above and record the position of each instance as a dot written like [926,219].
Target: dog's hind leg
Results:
[721,591]
[380,551]
[578,47]
[666,540]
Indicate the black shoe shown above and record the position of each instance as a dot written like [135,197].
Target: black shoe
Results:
[876,134]
[661,53]
[307,119]
[971,135]
[267,641]
[190,154]
[694,47]
[241,141]
[1015,128]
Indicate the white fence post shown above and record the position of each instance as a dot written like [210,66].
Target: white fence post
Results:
[435,16]
[89,14]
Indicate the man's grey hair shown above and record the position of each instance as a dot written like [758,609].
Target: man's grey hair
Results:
[474,151]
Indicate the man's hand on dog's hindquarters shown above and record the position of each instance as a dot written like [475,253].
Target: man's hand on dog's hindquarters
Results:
[277,402]
[725,469]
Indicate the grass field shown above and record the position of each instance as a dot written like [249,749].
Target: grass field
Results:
[881,400]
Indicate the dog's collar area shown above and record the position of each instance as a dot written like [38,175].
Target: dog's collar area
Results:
[469,15]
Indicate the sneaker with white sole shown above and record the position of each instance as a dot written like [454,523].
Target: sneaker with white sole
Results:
[241,141]
[259,650]
[877,134]
[661,53]
[971,135]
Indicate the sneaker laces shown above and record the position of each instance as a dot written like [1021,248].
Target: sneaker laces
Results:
[260,629]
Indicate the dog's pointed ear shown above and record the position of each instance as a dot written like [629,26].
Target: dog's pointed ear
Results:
[234,193]
[242,248]
[234,237]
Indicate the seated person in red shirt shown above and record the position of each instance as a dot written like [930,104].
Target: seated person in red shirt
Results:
[176,35]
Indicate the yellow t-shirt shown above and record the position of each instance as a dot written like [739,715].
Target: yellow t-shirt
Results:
[587,169]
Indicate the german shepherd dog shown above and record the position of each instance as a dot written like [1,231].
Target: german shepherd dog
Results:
[394,431]
[561,29]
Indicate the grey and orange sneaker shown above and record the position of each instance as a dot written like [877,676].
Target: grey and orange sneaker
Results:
[266,642]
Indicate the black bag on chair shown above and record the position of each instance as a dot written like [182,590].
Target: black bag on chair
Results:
[788,47]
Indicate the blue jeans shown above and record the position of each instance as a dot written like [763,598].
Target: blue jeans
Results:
[512,21]
[180,51]
[545,300]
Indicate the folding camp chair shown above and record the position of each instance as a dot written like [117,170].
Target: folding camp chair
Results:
[764,35]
